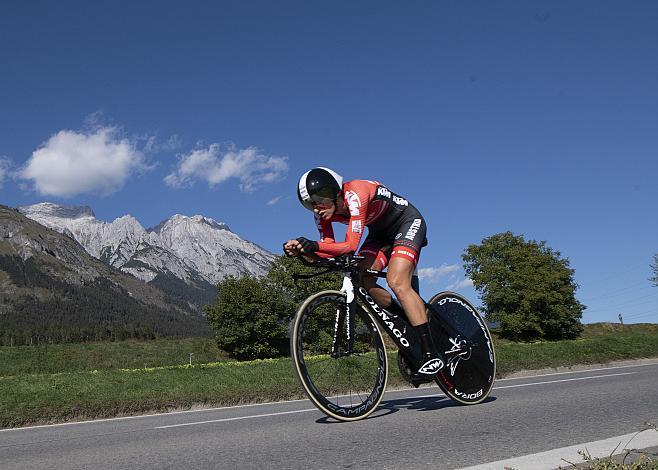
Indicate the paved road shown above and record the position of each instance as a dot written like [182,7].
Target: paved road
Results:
[412,429]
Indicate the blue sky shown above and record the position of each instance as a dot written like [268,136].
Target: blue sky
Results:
[536,117]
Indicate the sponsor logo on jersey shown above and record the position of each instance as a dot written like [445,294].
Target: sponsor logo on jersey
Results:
[382,191]
[356,226]
[415,225]
[353,202]
[386,193]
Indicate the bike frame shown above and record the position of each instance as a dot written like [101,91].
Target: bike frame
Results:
[448,313]
[397,327]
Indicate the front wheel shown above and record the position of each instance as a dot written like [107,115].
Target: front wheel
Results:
[344,384]
[464,339]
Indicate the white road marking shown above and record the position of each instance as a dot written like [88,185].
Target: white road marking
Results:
[578,371]
[540,383]
[564,380]
[564,456]
[152,415]
[221,420]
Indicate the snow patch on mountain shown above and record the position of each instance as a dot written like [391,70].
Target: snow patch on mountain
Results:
[189,248]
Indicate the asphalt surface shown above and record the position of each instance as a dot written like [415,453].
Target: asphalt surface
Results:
[411,429]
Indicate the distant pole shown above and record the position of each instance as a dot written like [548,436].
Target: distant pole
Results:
[191,354]
[621,319]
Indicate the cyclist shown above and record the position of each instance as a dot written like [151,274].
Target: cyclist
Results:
[396,234]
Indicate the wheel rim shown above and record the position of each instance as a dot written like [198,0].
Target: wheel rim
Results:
[470,358]
[346,387]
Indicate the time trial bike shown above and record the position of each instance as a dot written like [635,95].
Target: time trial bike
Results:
[339,354]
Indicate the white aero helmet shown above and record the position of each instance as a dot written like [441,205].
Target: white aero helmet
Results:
[319,185]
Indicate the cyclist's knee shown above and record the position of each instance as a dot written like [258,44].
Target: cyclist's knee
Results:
[400,283]
[399,276]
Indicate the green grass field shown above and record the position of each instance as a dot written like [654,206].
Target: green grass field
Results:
[76,381]
[51,359]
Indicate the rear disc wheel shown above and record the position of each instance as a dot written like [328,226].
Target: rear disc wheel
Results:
[463,338]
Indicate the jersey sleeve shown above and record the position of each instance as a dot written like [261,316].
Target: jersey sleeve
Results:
[357,200]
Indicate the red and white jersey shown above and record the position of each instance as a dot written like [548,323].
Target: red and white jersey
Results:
[369,204]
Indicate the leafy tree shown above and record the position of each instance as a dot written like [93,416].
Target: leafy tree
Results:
[654,266]
[526,286]
[251,315]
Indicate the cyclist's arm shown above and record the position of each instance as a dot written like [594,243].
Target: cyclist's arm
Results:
[355,227]
[351,243]
[326,235]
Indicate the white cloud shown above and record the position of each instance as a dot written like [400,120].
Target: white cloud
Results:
[71,163]
[215,165]
[464,283]
[274,200]
[156,145]
[433,274]
[173,143]
[5,165]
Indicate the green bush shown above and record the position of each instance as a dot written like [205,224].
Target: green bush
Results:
[250,318]
[251,315]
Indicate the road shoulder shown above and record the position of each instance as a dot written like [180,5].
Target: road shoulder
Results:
[579,367]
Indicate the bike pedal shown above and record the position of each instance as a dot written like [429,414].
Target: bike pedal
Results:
[410,376]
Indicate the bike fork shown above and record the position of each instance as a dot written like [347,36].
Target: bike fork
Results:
[343,329]
[344,324]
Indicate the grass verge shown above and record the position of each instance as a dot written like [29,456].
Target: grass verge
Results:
[628,459]
[599,344]
[44,386]
[131,354]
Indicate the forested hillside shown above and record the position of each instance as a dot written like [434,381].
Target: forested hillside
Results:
[51,290]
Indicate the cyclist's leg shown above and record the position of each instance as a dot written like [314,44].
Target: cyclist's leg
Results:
[400,271]
[398,277]
[402,264]
[408,240]
[376,259]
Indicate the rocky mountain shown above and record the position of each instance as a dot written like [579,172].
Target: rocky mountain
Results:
[185,255]
[52,290]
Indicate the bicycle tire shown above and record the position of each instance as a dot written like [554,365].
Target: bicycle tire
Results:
[347,388]
[469,372]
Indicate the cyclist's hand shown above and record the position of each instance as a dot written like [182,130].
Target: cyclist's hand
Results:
[292,248]
[308,246]
[300,245]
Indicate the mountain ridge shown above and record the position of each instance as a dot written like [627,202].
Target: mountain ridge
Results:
[197,250]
